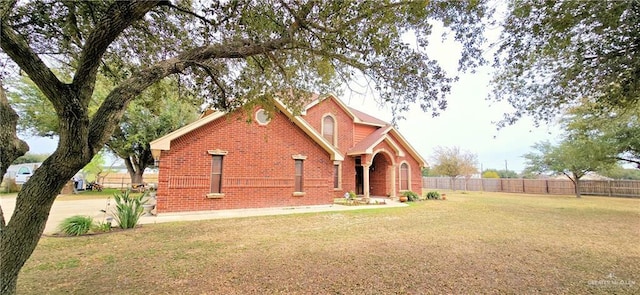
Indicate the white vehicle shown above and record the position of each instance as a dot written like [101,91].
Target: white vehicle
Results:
[23,174]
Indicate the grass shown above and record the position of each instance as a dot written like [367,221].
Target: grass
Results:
[471,243]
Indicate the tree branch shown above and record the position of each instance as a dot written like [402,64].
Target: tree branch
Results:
[188,12]
[110,112]
[637,162]
[6,7]
[207,69]
[119,16]
[20,52]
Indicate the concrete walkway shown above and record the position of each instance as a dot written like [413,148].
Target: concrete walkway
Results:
[91,208]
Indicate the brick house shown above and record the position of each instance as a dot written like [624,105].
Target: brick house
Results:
[221,161]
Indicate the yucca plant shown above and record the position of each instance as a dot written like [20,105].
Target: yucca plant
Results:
[128,209]
[76,225]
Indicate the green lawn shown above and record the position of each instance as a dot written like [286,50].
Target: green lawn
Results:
[470,243]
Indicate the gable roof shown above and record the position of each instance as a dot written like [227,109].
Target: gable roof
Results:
[358,117]
[164,143]
[367,119]
[386,134]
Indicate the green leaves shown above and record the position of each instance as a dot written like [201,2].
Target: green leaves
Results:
[552,54]
[76,225]
[128,209]
[453,162]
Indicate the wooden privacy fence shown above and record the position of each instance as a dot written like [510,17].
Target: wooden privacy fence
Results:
[123,180]
[618,188]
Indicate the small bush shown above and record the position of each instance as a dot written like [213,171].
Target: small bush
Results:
[411,196]
[102,227]
[128,209]
[76,225]
[433,195]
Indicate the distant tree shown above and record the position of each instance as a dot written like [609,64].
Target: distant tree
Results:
[573,158]
[453,162]
[92,171]
[160,109]
[619,172]
[490,173]
[507,174]
[426,171]
[31,158]
[552,54]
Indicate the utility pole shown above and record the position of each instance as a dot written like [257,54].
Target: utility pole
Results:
[506,169]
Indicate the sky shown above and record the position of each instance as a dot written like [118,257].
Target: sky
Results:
[466,123]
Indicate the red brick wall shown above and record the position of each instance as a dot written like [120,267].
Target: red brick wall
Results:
[258,170]
[344,121]
[345,138]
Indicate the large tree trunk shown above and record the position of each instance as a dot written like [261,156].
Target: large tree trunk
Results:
[34,201]
[135,169]
[11,147]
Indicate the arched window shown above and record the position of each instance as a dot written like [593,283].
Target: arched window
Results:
[328,129]
[404,177]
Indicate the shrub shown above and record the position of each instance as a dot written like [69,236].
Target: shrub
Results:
[76,225]
[128,209]
[433,195]
[102,227]
[352,195]
[411,196]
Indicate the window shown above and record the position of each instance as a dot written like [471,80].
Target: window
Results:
[328,128]
[261,117]
[404,177]
[336,176]
[216,174]
[299,176]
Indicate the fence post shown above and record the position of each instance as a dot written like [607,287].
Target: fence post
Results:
[609,183]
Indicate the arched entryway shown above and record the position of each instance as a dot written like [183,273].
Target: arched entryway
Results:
[375,178]
[380,178]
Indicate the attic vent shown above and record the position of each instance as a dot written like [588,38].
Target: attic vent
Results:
[261,117]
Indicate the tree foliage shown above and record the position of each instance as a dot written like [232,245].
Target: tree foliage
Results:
[619,172]
[30,158]
[552,54]
[490,173]
[618,127]
[231,53]
[160,109]
[494,173]
[454,162]
[573,158]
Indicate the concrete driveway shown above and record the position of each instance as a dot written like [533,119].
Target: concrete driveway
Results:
[91,208]
[61,210]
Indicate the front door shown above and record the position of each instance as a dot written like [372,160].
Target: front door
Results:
[359,180]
